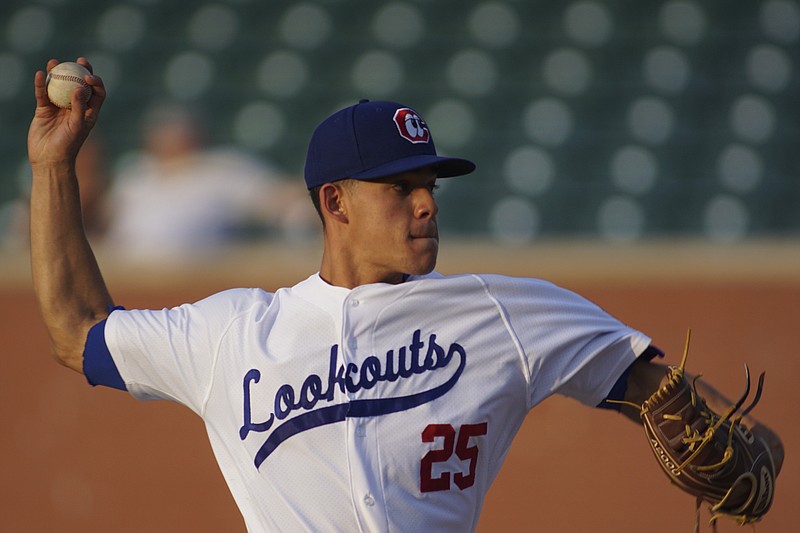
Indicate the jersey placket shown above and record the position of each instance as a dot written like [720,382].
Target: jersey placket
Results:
[362,442]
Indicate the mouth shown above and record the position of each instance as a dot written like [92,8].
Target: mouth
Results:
[429,231]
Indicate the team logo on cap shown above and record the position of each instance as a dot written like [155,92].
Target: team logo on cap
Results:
[411,126]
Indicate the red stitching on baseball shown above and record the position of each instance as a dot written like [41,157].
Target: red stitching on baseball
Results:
[69,77]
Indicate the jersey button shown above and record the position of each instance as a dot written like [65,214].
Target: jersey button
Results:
[354,303]
[369,500]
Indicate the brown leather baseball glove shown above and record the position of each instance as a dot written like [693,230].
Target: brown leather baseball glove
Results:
[712,456]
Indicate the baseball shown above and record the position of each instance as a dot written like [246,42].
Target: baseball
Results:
[63,79]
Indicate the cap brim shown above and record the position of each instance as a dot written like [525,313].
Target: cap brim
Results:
[446,167]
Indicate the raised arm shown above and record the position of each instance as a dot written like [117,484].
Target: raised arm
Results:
[70,290]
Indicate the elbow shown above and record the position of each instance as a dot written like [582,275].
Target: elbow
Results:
[71,358]
[68,341]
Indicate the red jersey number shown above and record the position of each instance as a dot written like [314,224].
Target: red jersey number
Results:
[451,441]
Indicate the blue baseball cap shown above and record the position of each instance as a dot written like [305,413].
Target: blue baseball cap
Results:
[370,140]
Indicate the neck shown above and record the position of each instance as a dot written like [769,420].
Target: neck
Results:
[346,273]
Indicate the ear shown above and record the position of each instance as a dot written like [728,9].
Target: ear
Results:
[333,202]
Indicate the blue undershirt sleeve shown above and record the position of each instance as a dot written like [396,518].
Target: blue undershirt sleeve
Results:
[98,365]
[619,389]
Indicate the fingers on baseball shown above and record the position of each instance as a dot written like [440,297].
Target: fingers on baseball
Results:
[40,89]
[79,99]
[85,63]
[98,93]
[97,85]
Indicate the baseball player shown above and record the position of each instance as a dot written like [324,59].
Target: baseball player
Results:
[375,395]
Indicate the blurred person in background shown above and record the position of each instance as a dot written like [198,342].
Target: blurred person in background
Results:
[179,196]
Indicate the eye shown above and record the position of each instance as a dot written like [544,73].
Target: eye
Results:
[407,187]
[403,187]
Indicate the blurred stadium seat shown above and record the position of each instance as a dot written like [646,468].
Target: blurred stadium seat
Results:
[609,119]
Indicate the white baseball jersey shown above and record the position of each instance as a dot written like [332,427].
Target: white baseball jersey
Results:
[381,408]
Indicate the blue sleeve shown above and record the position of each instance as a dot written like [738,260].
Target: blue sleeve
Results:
[98,365]
[619,389]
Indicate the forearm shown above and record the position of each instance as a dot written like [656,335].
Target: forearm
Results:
[645,378]
[70,290]
[69,287]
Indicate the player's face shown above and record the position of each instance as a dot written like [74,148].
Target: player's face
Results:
[394,224]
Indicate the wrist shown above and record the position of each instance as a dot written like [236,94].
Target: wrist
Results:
[57,169]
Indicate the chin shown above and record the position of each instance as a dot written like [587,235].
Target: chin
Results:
[423,268]
[422,257]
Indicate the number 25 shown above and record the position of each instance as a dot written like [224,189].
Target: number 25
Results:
[465,452]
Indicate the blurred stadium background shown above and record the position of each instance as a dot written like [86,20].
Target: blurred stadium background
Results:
[637,121]
[616,120]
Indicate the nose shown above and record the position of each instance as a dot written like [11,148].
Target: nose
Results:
[425,205]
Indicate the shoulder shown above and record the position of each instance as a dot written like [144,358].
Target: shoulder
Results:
[222,305]
[509,291]
[491,282]
[238,300]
